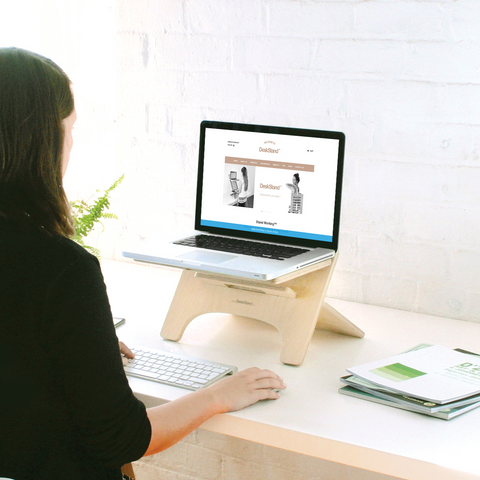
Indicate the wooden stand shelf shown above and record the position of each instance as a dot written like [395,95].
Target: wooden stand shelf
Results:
[294,304]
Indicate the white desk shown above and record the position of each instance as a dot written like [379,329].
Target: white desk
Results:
[311,417]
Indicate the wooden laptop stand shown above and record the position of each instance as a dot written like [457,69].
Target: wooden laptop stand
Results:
[293,303]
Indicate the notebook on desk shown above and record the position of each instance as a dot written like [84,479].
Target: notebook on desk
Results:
[275,166]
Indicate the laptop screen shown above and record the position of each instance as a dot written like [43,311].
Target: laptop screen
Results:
[270,183]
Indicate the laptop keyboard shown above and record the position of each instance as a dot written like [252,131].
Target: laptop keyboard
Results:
[244,247]
[175,369]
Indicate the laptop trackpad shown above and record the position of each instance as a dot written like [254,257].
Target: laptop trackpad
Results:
[206,257]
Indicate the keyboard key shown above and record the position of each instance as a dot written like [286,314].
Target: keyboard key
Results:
[143,373]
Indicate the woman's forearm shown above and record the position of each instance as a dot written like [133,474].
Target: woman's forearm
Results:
[173,421]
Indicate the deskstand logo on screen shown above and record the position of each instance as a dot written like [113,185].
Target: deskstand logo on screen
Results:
[270,186]
[269,149]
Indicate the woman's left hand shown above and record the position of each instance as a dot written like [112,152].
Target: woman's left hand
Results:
[124,350]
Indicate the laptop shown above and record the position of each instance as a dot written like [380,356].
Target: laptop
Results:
[276,188]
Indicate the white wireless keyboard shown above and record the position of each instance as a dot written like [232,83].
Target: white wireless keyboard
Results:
[175,369]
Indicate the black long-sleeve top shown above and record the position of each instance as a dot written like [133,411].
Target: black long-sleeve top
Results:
[66,409]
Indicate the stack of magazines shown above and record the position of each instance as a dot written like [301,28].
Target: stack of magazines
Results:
[428,379]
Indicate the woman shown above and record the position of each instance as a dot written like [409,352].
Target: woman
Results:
[243,188]
[66,409]
[294,185]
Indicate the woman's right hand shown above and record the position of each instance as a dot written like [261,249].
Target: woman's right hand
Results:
[245,388]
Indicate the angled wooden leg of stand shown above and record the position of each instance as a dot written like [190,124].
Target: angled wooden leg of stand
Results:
[332,320]
[310,311]
[296,319]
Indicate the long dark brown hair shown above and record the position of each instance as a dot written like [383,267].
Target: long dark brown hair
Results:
[35,96]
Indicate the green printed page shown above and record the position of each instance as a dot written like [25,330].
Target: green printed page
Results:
[397,372]
[436,374]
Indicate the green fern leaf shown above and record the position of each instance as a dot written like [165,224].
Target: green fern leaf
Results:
[86,217]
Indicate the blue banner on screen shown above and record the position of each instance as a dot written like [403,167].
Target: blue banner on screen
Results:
[267,230]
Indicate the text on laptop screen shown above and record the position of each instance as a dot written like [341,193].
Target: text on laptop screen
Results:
[268,183]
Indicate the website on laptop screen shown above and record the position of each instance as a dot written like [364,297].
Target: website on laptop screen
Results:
[269,183]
